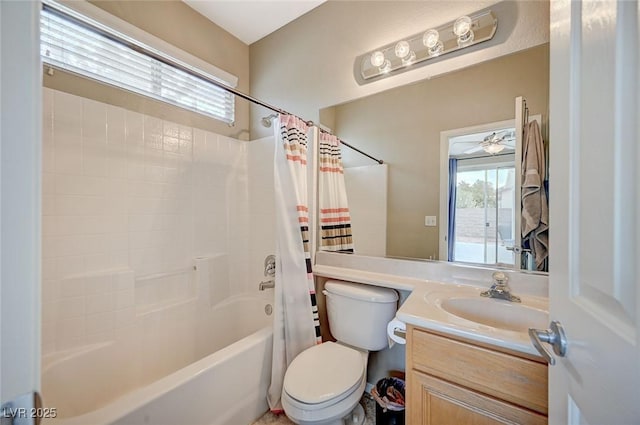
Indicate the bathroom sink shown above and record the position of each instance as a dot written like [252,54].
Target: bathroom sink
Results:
[459,311]
[462,305]
[497,313]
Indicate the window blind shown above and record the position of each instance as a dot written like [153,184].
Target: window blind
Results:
[73,47]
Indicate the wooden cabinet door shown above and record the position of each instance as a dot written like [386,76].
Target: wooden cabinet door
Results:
[502,376]
[433,401]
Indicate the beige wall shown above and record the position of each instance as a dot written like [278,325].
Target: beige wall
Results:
[176,23]
[402,126]
[309,63]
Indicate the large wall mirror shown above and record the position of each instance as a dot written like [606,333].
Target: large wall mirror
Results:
[466,118]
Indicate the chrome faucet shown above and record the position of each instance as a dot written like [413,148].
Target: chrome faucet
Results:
[270,272]
[266,285]
[500,289]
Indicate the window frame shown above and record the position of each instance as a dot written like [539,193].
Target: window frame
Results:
[219,105]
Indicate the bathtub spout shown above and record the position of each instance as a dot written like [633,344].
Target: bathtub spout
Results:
[265,285]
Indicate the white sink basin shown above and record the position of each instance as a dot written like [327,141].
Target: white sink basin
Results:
[464,305]
[497,313]
[459,311]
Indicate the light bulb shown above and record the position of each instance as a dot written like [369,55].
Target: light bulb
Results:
[462,25]
[377,58]
[431,38]
[403,49]
[466,39]
[462,28]
[409,59]
[386,66]
[436,50]
[493,148]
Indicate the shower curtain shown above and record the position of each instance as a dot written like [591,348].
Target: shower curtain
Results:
[296,325]
[335,220]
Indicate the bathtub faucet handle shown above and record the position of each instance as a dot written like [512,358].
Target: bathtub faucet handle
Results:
[270,266]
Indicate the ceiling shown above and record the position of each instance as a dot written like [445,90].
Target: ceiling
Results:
[251,20]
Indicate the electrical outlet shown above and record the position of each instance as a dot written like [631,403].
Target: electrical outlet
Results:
[430,220]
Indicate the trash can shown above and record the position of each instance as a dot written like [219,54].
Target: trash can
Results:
[389,396]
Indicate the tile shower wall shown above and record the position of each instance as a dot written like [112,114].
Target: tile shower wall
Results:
[125,197]
[262,219]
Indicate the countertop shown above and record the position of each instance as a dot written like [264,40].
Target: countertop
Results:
[438,278]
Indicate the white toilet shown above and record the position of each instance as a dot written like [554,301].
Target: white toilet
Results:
[323,384]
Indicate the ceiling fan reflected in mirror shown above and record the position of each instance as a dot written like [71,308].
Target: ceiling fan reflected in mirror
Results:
[493,143]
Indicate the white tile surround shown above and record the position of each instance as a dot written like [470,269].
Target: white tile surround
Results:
[127,197]
[262,216]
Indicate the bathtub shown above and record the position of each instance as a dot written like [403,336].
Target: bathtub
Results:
[213,368]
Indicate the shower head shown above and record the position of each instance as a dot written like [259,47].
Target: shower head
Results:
[266,121]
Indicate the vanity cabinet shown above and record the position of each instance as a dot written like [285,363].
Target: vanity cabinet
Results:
[451,381]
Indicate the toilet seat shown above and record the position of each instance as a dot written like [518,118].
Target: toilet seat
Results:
[330,413]
[312,387]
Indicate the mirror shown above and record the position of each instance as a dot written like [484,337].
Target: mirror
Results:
[403,126]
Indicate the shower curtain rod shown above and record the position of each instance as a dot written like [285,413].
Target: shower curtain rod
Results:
[169,61]
[379,161]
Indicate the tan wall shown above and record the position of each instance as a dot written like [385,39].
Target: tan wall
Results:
[176,23]
[309,63]
[402,126]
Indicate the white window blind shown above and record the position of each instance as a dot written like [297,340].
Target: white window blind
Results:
[73,47]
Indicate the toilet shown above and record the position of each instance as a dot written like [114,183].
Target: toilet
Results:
[324,384]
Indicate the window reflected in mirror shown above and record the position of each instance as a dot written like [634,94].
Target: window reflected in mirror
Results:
[482,197]
[486,213]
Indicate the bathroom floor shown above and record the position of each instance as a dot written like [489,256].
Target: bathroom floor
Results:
[369,407]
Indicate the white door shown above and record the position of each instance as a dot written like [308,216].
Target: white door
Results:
[595,202]
[20,172]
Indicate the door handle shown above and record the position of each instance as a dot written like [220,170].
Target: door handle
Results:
[554,336]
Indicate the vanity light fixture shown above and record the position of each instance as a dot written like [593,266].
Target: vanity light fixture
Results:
[403,54]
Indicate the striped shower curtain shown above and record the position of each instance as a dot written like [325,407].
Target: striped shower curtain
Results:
[335,220]
[296,325]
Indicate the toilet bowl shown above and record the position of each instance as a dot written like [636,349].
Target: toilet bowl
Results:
[323,385]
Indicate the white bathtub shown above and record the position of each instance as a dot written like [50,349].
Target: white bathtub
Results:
[212,368]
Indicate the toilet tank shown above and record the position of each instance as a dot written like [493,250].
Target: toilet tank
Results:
[358,314]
